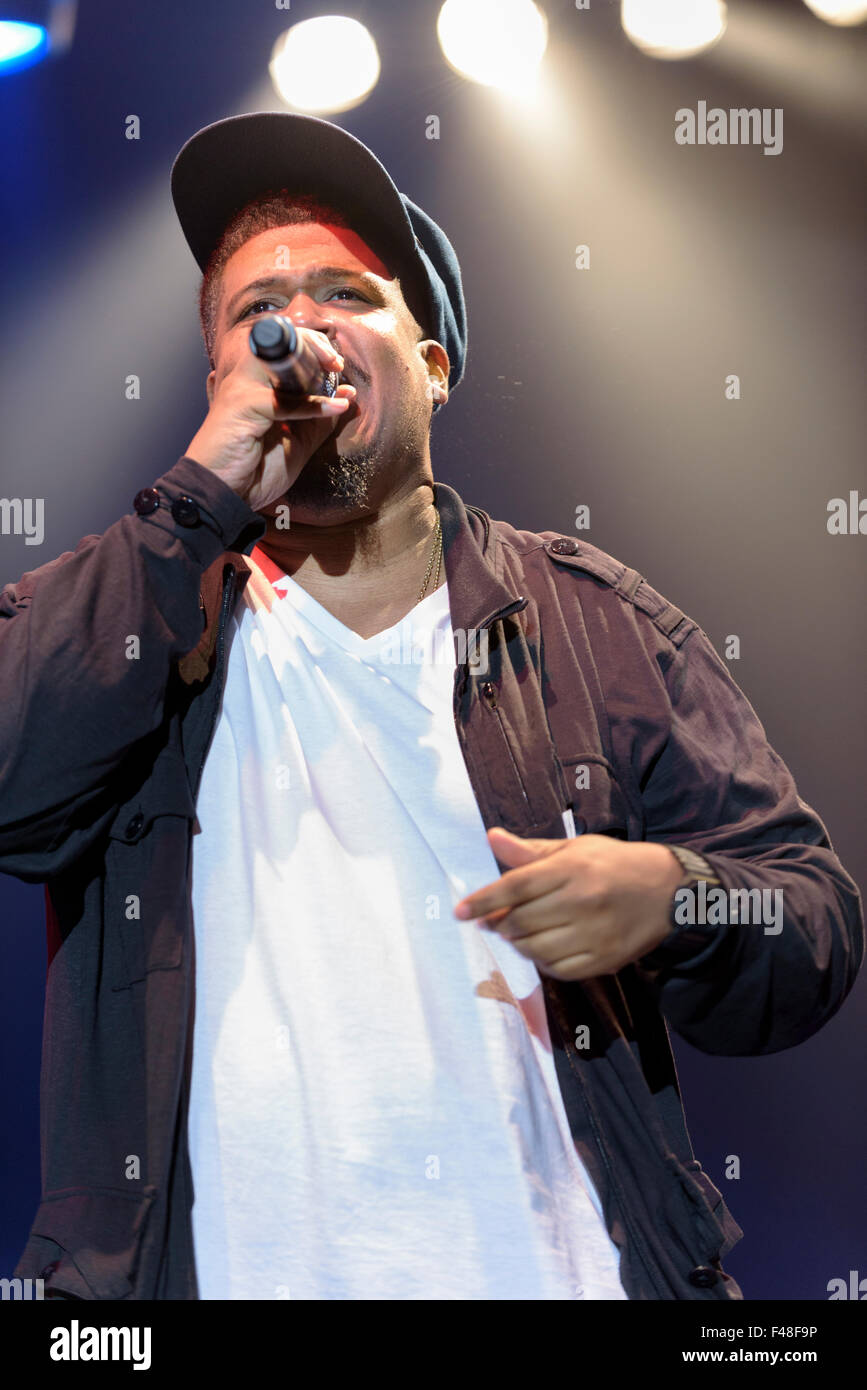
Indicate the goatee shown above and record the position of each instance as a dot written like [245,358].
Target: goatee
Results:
[334,482]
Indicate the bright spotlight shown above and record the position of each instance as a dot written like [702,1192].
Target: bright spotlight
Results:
[499,43]
[325,65]
[31,30]
[21,44]
[673,28]
[839,11]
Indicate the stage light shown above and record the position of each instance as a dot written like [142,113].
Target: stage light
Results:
[499,43]
[324,65]
[673,28]
[21,44]
[31,30]
[839,11]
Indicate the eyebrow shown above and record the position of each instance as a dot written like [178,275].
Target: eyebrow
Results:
[315,276]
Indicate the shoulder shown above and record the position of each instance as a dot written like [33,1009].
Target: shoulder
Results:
[597,576]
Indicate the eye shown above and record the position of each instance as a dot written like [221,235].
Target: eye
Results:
[270,303]
[255,305]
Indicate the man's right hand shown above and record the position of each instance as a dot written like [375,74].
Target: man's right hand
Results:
[258,440]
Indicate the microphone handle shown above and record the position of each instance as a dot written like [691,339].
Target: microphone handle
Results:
[292,367]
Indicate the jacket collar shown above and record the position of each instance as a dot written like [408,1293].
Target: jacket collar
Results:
[479,592]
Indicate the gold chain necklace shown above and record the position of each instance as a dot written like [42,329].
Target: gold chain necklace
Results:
[436,552]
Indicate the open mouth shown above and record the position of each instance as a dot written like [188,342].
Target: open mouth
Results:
[353,376]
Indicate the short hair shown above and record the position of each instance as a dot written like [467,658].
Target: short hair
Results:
[272,208]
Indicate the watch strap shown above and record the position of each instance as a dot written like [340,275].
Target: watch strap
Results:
[685,939]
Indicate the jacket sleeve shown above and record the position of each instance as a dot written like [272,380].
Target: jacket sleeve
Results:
[72,701]
[713,783]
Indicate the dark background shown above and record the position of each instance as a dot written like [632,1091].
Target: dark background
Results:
[603,387]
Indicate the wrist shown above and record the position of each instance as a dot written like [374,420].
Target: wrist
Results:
[684,938]
[192,502]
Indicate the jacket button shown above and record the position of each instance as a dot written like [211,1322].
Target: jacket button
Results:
[703,1277]
[490,693]
[185,511]
[134,826]
[146,501]
[564,546]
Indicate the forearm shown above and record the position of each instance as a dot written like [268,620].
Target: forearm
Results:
[87,643]
[773,978]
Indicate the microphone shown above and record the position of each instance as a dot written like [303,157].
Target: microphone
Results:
[293,366]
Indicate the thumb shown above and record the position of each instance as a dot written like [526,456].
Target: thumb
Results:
[514,850]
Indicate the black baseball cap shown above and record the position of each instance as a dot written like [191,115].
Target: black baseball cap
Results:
[227,164]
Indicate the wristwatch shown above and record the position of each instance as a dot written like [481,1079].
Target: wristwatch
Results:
[685,938]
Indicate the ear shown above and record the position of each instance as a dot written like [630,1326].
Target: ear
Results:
[437,363]
[209,385]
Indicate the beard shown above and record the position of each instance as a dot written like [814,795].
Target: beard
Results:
[337,483]
[334,482]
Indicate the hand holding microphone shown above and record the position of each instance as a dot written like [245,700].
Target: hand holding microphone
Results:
[290,358]
[268,415]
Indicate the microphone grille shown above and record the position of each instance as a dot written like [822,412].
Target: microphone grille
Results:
[273,337]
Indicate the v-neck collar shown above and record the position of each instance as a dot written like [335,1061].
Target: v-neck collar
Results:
[288,589]
[478,586]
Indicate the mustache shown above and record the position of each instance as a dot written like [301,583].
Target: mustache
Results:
[353,373]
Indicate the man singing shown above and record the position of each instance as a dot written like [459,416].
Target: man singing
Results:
[381,839]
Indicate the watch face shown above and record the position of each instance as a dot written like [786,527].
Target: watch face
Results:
[692,862]
[685,939]
[692,894]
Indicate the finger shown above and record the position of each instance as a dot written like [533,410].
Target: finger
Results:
[323,347]
[517,886]
[547,913]
[492,919]
[583,966]
[285,401]
[551,948]
[312,407]
[514,850]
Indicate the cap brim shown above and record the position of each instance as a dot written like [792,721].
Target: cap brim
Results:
[226,165]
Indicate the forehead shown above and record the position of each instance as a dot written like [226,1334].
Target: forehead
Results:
[298,248]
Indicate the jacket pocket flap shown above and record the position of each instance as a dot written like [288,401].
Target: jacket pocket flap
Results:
[598,803]
[164,791]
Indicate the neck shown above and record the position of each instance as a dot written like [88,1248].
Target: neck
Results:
[369,568]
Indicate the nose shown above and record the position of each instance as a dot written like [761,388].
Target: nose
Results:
[306,312]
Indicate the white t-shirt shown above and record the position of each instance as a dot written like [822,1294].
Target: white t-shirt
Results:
[374,1109]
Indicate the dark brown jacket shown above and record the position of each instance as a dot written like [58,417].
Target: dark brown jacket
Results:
[111,670]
